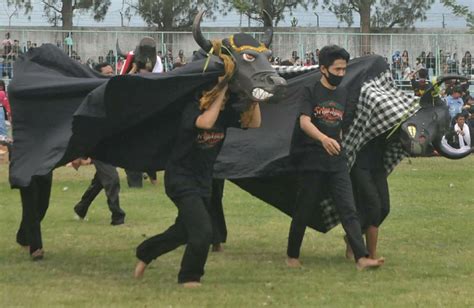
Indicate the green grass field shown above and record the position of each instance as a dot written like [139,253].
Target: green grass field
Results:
[427,241]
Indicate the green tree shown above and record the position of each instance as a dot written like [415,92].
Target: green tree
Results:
[461,10]
[172,14]
[379,13]
[276,9]
[64,9]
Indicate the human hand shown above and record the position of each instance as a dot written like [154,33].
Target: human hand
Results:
[331,146]
[76,163]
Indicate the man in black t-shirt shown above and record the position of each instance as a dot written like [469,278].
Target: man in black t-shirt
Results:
[188,183]
[321,159]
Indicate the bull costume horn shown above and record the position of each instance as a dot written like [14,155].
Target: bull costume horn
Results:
[119,51]
[268,31]
[445,150]
[442,145]
[204,43]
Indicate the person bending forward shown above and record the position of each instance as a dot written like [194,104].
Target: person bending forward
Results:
[188,182]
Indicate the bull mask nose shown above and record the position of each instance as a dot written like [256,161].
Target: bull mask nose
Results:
[277,81]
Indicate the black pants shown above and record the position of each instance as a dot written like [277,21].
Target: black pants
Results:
[193,227]
[371,195]
[310,194]
[106,177]
[217,212]
[34,202]
[135,178]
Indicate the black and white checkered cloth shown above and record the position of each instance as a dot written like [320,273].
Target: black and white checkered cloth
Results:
[381,107]
[293,70]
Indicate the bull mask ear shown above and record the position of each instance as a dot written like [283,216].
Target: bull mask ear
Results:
[119,51]
[268,31]
[197,34]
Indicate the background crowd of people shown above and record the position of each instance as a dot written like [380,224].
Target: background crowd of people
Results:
[402,64]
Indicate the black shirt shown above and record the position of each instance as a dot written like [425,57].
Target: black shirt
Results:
[189,169]
[326,109]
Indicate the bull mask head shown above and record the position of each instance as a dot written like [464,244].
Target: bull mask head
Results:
[254,78]
[425,131]
[144,53]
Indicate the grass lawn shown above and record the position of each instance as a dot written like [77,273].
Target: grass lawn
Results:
[427,241]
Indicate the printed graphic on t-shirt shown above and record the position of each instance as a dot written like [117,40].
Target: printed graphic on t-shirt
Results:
[208,139]
[329,112]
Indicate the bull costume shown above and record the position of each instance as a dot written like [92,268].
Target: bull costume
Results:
[78,114]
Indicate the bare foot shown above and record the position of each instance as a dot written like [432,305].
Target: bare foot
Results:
[191,284]
[349,253]
[37,255]
[293,263]
[217,248]
[140,269]
[366,263]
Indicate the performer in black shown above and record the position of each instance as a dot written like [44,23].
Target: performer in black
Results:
[369,182]
[34,202]
[321,160]
[106,177]
[188,182]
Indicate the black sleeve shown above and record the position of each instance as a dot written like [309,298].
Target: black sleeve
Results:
[306,102]
[232,117]
[190,114]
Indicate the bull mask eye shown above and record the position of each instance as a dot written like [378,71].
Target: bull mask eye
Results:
[248,57]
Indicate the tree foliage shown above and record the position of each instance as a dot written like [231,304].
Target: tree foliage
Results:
[461,10]
[380,13]
[24,5]
[64,9]
[172,14]
[276,9]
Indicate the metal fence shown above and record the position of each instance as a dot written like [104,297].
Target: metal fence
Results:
[90,46]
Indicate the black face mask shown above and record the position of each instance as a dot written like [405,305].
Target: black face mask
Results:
[333,80]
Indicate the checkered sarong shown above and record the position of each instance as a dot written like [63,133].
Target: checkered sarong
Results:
[380,108]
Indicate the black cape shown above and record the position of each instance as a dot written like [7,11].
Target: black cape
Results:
[63,110]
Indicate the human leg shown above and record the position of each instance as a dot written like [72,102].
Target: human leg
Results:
[342,195]
[192,227]
[3,127]
[158,245]
[216,211]
[134,178]
[109,179]
[88,197]
[198,225]
[308,197]
[35,201]
[152,176]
